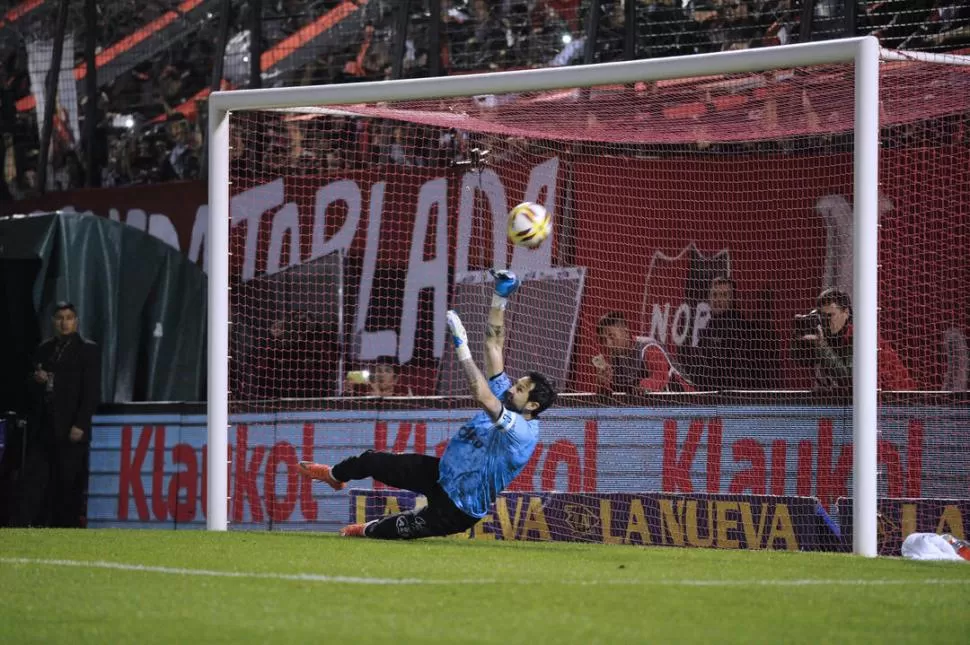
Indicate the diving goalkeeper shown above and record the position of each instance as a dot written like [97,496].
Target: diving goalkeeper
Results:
[481,459]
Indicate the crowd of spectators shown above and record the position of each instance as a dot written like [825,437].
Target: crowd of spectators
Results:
[145,134]
[134,140]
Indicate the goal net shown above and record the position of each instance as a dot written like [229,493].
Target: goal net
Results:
[697,303]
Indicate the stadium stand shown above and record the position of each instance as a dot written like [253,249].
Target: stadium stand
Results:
[155,60]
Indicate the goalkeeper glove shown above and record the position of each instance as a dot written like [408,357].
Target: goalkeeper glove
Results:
[506,283]
[458,335]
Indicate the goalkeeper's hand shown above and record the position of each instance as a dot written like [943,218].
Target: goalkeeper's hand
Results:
[506,283]
[458,335]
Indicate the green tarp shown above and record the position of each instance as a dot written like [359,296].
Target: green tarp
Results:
[140,300]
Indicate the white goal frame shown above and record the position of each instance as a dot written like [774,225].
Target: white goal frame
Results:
[864,53]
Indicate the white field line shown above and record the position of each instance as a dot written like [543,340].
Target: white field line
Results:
[316,577]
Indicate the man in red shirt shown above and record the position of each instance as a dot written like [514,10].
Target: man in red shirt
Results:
[634,365]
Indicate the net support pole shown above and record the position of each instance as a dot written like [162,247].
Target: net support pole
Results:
[592,32]
[851,19]
[399,44]
[92,170]
[217,243]
[255,44]
[434,38]
[50,95]
[630,29]
[225,17]
[865,297]
[805,29]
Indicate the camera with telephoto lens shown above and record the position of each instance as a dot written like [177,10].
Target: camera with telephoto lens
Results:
[809,323]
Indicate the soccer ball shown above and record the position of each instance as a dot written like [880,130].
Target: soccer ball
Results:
[529,224]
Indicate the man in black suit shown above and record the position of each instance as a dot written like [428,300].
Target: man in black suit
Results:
[65,388]
[733,353]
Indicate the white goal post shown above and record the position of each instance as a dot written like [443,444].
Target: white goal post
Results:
[864,53]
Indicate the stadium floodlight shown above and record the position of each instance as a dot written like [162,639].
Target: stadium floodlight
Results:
[439,102]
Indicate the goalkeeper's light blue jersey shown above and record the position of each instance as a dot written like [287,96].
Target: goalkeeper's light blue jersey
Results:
[485,455]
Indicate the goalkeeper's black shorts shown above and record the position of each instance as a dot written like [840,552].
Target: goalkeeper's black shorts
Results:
[418,473]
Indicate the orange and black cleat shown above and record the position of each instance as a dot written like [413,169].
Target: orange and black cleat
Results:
[354,530]
[321,472]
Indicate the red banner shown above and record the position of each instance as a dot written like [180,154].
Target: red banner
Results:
[650,231]
[784,227]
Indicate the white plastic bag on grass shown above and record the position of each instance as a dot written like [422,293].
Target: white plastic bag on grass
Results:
[929,546]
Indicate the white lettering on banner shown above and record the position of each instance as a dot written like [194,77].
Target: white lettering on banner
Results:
[659,322]
[161,227]
[838,241]
[137,218]
[427,274]
[198,245]
[701,318]
[672,284]
[347,191]
[542,179]
[681,323]
[141,472]
[248,207]
[286,220]
[372,343]
[158,225]
[490,185]
[253,202]
[838,215]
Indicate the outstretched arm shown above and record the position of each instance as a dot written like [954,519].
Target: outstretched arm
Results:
[495,342]
[476,382]
[506,284]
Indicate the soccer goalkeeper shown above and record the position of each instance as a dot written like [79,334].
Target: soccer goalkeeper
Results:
[481,459]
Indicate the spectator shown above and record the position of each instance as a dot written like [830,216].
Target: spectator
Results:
[70,174]
[181,161]
[947,27]
[65,390]
[398,152]
[373,59]
[356,67]
[634,365]
[667,32]
[824,339]
[732,352]
[383,379]
[486,45]
[611,34]
[725,26]
[295,360]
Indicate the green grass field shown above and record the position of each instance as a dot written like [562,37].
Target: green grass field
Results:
[195,587]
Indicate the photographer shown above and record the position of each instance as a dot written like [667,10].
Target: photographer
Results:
[824,339]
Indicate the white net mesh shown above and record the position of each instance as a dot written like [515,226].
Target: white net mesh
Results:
[694,219]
